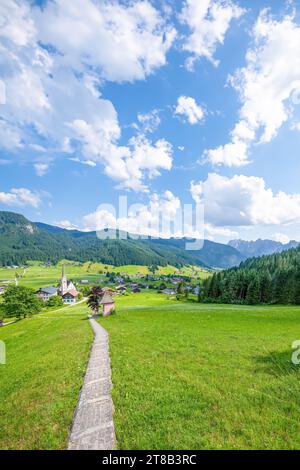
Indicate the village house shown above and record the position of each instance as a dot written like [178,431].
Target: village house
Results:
[136,290]
[162,286]
[70,297]
[121,290]
[169,291]
[46,292]
[2,289]
[132,285]
[110,291]
[143,285]
[196,290]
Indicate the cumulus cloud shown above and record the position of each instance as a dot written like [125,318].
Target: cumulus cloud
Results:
[188,108]
[244,201]
[160,217]
[232,154]
[123,42]
[52,78]
[208,21]
[268,87]
[142,219]
[20,197]
[128,165]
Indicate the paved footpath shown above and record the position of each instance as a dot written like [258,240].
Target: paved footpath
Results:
[93,426]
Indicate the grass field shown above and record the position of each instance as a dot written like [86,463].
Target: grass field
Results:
[188,375]
[185,375]
[40,383]
[37,275]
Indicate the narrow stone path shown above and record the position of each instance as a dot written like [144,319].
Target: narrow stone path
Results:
[93,426]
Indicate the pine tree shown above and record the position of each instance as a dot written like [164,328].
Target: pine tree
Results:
[253,292]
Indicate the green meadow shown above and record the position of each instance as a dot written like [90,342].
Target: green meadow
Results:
[185,375]
[195,376]
[40,382]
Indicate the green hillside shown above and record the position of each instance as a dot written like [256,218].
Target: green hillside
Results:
[22,240]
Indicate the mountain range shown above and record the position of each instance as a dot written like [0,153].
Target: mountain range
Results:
[22,240]
[261,247]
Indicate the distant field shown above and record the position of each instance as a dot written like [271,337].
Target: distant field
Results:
[46,360]
[193,376]
[37,275]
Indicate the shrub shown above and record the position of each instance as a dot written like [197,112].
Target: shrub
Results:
[54,301]
[20,302]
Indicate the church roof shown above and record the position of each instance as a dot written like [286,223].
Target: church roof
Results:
[106,299]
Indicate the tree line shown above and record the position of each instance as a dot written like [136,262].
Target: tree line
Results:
[273,279]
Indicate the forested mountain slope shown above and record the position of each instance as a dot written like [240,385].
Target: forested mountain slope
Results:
[22,240]
[268,279]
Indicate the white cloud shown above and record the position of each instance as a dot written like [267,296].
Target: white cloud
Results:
[160,217]
[66,224]
[84,162]
[10,137]
[296,126]
[212,231]
[41,168]
[149,121]
[127,165]
[208,21]
[20,197]
[187,107]
[271,76]
[233,154]
[123,42]
[21,29]
[52,78]
[281,237]
[244,200]
[142,219]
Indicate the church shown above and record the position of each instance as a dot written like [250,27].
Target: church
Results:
[67,289]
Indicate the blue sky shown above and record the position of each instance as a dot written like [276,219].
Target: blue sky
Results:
[168,103]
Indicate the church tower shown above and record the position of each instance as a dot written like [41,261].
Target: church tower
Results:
[63,281]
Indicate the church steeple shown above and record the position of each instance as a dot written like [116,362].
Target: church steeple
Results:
[63,281]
